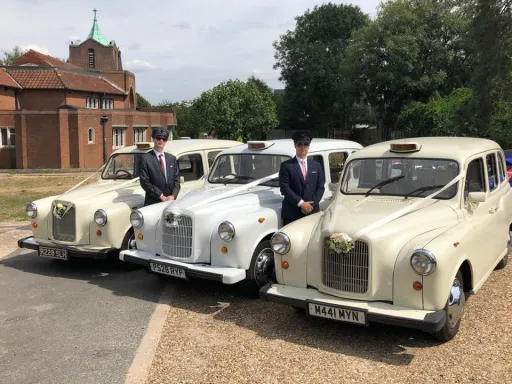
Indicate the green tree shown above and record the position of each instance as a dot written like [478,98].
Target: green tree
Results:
[10,56]
[186,117]
[262,86]
[490,36]
[236,108]
[411,52]
[142,102]
[309,58]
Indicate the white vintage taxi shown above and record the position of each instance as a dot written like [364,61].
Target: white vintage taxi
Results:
[92,220]
[426,223]
[222,232]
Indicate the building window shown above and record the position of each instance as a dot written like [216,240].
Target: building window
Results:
[90,136]
[92,61]
[117,137]
[7,137]
[139,135]
[92,102]
[107,103]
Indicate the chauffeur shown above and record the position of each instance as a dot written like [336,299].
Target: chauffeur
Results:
[301,181]
[159,171]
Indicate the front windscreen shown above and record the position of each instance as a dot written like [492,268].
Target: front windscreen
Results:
[245,168]
[400,177]
[123,166]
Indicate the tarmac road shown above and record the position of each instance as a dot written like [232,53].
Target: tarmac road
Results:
[69,322]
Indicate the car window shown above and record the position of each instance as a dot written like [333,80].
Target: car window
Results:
[211,157]
[501,167]
[191,166]
[336,163]
[474,177]
[492,174]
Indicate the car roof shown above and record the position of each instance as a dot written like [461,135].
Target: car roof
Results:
[180,146]
[286,147]
[446,147]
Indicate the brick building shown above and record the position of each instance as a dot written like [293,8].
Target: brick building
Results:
[50,110]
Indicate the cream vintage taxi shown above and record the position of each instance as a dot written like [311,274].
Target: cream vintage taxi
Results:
[416,225]
[222,232]
[93,221]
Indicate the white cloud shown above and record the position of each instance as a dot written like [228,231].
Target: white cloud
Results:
[216,41]
[37,48]
[138,65]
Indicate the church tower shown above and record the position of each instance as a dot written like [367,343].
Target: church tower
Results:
[96,53]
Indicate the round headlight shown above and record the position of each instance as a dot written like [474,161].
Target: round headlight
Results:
[280,243]
[31,210]
[423,262]
[100,217]
[136,219]
[226,231]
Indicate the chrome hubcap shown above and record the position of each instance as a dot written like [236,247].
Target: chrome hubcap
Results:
[456,303]
[264,267]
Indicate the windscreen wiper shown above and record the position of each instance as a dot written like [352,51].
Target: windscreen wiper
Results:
[423,189]
[384,182]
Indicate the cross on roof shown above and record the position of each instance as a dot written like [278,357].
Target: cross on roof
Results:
[95,10]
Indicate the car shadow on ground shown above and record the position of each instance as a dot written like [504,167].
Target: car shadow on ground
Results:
[379,342]
[122,279]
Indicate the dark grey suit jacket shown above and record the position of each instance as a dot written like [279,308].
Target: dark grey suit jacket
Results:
[153,181]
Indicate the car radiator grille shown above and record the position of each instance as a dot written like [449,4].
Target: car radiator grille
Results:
[64,229]
[177,241]
[346,272]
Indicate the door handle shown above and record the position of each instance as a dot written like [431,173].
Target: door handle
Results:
[493,209]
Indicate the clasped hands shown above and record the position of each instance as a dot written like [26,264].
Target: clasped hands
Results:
[167,198]
[306,207]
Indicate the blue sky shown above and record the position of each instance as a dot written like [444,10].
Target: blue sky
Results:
[177,49]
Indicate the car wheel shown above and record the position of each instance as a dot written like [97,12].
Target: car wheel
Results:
[262,269]
[128,244]
[454,309]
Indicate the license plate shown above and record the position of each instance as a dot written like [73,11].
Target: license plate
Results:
[53,253]
[168,270]
[337,313]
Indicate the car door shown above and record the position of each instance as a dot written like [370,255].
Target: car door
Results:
[191,171]
[480,176]
[325,201]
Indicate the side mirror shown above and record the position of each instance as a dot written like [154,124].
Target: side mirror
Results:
[182,179]
[476,197]
[333,187]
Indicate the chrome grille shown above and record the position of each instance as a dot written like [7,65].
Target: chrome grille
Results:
[347,272]
[177,241]
[64,229]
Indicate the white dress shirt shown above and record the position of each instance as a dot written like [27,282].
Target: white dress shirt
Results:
[163,159]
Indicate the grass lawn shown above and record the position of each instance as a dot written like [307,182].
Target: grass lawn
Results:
[16,190]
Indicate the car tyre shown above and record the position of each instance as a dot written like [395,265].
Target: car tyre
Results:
[261,270]
[454,309]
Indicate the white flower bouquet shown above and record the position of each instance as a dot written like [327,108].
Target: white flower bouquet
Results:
[172,217]
[341,243]
[59,210]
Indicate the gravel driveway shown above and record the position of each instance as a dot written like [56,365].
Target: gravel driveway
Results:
[214,335]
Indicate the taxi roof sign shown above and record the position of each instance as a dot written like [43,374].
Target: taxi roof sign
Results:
[404,147]
[144,145]
[258,144]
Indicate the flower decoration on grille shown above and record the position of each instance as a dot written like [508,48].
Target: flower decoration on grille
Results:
[172,216]
[341,243]
[59,210]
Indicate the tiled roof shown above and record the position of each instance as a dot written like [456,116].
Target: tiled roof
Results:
[6,80]
[39,78]
[42,60]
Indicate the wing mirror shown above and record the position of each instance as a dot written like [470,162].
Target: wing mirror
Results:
[333,187]
[476,197]
[182,179]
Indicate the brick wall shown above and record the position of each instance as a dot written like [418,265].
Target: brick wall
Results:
[42,140]
[7,99]
[41,99]
[106,58]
